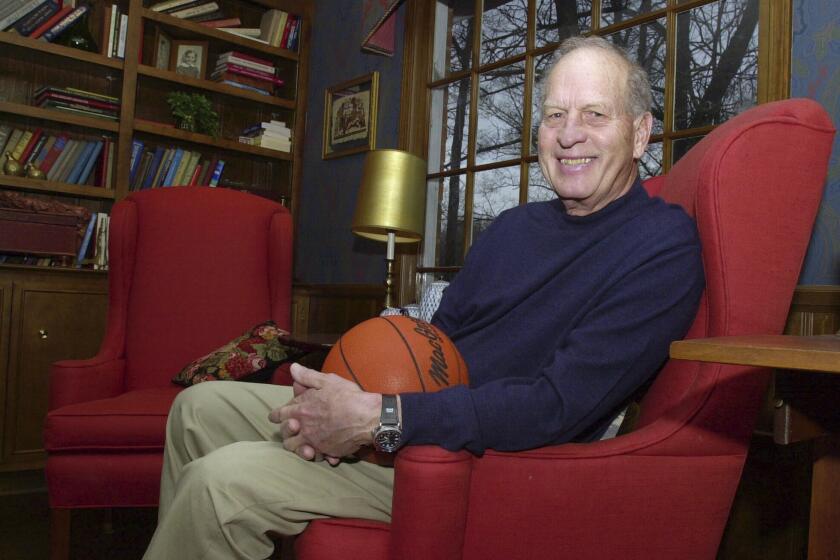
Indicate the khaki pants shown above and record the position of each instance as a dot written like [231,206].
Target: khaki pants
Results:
[228,484]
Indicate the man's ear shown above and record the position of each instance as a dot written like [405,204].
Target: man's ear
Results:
[641,134]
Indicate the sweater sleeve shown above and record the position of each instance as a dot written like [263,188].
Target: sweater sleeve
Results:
[617,346]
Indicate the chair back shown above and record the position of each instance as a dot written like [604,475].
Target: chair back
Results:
[190,269]
[753,186]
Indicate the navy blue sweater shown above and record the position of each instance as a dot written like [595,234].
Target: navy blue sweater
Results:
[560,319]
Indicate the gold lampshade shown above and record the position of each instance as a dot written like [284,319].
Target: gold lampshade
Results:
[392,197]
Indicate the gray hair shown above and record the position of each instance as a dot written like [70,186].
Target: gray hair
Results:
[638,98]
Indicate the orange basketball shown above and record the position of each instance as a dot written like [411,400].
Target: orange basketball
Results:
[397,354]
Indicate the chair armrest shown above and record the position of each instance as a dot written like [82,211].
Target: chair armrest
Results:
[431,491]
[74,381]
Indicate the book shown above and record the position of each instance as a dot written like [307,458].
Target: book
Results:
[55,156]
[134,161]
[217,173]
[37,149]
[9,6]
[49,23]
[195,10]
[247,59]
[70,161]
[5,133]
[173,167]
[79,163]
[64,24]
[58,159]
[209,16]
[145,162]
[79,109]
[294,34]
[109,166]
[92,95]
[251,73]
[180,7]
[123,31]
[57,95]
[153,167]
[245,87]
[195,175]
[246,33]
[207,167]
[25,156]
[284,34]
[22,143]
[226,22]
[34,19]
[163,170]
[270,22]
[83,247]
[168,4]
[92,157]
[38,159]
[21,10]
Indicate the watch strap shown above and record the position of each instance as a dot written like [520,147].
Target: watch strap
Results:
[389,415]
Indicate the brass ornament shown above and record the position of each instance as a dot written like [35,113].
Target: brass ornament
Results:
[12,166]
[33,172]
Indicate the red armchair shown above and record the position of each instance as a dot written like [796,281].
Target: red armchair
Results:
[190,269]
[665,489]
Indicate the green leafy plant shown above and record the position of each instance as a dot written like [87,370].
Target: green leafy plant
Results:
[194,112]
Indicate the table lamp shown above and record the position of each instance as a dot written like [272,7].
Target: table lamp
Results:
[391,204]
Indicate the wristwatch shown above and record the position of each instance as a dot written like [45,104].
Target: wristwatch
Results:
[387,436]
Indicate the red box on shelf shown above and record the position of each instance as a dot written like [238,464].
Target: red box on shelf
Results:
[37,233]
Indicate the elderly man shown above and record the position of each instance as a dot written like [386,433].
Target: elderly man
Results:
[562,311]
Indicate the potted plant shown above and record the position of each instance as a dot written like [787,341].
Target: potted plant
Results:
[193,112]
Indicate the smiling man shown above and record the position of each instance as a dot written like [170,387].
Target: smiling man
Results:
[563,311]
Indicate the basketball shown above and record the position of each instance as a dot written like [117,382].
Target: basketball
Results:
[397,354]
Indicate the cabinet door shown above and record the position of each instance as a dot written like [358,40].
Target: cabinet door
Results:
[49,324]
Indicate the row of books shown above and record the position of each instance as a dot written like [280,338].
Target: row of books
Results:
[93,250]
[194,10]
[45,20]
[60,157]
[279,29]
[78,101]
[35,260]
[171,166]
[114,31]
[273,135]
[247,72]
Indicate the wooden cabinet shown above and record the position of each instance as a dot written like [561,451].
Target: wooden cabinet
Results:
[28,64]
[47,315]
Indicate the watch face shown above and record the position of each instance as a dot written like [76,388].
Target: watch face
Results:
[387,439]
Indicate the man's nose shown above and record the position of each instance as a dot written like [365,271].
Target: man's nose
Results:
[571,132]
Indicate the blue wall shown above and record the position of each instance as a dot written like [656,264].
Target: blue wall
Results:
[815,73]
[326,251]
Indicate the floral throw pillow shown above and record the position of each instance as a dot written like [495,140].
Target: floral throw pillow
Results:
[250,357]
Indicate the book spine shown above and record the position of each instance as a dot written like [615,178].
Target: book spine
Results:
[56,17]
[31,21]
[76,100]
[123,33]
[190,4]
[36,149]
[287,28]
[5,132]
[45,149]
[70,161]
[216,23]
[161,6]
[245,87]
[217,173]
[153,167]
[195,11]
[136,150]
[295,34]
[249,58]
[195,175]
[17,153]
[90,94]
[233,68]
[116,24]
[173,168]
[79,163]
[62,25]
[17,14]
[165,164]
[113,18]
[9,6]
[85,241]
[89,163]
[60,156]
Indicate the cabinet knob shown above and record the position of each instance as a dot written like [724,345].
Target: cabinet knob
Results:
[43,334]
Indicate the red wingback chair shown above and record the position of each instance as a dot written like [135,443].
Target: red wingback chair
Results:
[665,489]
[190,269]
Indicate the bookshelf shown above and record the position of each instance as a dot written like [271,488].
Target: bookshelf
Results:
[51,313]
[28,64]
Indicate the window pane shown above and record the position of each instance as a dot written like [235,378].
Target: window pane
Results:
[616,11]
[538,187]
[651,163]
[717,54]
[450,228]
[495,190]
[541,64]
[557,20]
[504,26]
[646,44]
[681,146]
[499,131]
[449,126]
[454,28]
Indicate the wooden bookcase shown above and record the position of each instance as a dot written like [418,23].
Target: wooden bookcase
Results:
[27,64]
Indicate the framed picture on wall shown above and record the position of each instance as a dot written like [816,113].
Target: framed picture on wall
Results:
[189,58]
[350,116]
[163,46]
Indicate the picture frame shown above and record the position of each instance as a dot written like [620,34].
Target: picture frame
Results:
[162,50]
[350,110]
[189,58]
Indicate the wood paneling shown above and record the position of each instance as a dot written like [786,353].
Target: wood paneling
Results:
[333,308]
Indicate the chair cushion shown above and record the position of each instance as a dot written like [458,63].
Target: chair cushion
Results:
[253,356]
[133,421]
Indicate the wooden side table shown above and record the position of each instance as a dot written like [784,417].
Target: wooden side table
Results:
[816,355]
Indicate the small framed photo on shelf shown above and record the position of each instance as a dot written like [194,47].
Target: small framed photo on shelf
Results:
[163,48]
[350,116]
[188,58]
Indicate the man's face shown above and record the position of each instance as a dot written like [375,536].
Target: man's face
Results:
[587,141]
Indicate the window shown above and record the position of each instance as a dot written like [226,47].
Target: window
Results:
[707,60]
